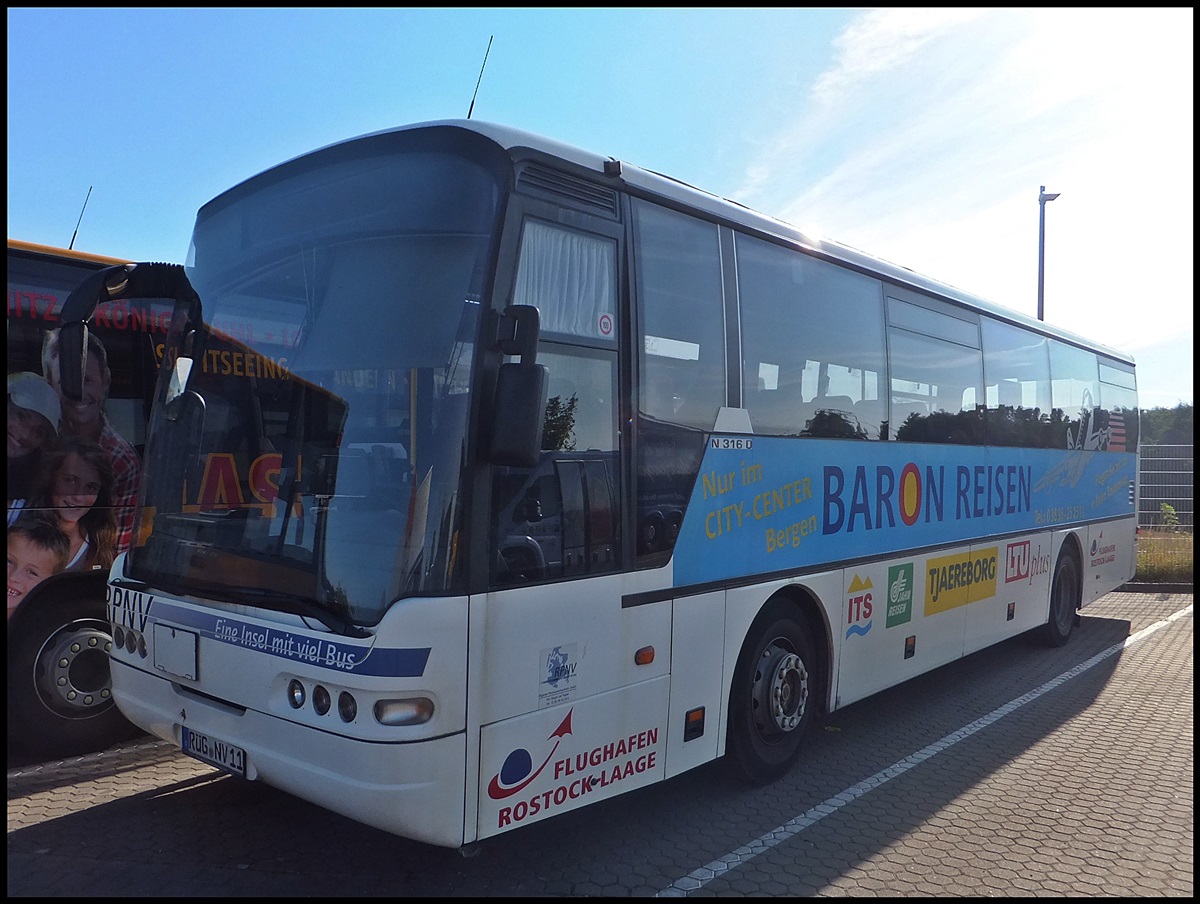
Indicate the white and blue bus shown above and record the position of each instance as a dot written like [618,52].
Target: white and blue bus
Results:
[491,478]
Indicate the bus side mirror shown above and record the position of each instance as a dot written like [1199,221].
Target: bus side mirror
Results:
[72,359]
[120,281]
[518,414]
[518,331]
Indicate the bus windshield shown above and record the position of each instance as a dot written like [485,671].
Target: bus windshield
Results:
[317,444]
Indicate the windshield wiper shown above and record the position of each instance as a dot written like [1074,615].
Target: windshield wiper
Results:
[303,606]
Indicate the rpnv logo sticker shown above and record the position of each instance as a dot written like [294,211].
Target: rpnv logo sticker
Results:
[559,667]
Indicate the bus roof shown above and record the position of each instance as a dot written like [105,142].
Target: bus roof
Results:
[52,251]
[520,144]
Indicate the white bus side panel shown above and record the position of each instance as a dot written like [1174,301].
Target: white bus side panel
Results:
[1109,558]
[564,757]
[894,624]
[536,649]
[1021,600]
[558,643]
[697,678]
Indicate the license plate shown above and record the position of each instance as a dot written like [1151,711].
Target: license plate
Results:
[221,754]
[175,651]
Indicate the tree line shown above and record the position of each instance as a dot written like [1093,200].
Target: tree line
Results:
[1166,426]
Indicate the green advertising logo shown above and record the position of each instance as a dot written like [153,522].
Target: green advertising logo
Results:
[899,594]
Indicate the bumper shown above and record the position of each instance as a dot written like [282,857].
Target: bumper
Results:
[415,790]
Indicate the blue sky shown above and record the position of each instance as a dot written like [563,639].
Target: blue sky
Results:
[920,136]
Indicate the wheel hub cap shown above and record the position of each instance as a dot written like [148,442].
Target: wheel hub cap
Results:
[781,689]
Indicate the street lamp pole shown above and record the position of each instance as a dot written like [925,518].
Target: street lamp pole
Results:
[1042,199]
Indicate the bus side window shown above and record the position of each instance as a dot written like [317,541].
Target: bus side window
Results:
[1075,393]
[870,416]
[682,335]
[794,311]
[679,296]
[1118,401]
[561,517]
[1016,374]
[936,359]
[905,411]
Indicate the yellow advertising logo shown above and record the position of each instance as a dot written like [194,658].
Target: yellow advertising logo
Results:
[963,578]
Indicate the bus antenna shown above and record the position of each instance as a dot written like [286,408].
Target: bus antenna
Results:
[80,220]
[480,79]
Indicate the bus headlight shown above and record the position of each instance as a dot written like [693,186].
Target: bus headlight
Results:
[295,694]
[409,711]
[321,700]
[347,706]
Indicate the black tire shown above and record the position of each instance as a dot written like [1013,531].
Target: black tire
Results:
[59,684]
[1066,594]
[774,698]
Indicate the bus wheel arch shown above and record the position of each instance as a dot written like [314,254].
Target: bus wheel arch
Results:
[778,688]
[1066,594]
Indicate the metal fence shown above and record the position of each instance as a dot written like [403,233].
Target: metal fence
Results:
[1165,479]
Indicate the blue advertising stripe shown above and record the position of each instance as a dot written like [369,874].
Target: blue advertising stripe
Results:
[764,504]
[342,656]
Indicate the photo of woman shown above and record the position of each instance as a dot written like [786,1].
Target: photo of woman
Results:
[75,486]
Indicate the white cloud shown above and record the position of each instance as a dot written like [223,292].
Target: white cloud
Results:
[882,41]
[926,138]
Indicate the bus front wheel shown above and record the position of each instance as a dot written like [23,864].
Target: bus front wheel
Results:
[1065,597]
[774,696]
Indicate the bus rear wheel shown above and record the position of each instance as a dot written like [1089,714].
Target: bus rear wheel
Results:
[774,697]
[1065,597]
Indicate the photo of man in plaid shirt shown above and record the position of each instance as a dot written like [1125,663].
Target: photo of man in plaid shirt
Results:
[87,418]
